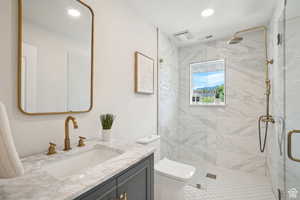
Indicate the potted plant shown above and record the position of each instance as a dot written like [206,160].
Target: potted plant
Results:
[107,121]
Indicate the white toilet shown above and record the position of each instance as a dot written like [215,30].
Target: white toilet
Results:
[170,176]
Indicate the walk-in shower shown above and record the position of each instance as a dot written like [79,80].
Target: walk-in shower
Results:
[267,119]
[222,142]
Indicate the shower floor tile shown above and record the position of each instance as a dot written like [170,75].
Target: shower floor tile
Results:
[230,185]
[230,192]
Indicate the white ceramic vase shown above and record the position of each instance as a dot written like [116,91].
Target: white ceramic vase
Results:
[106,134]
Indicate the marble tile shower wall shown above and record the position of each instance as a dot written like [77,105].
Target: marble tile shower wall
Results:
[221,136]
[168,95]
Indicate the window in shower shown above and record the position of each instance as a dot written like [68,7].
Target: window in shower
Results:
[207,83]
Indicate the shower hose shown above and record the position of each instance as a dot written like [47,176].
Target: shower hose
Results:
[262,144]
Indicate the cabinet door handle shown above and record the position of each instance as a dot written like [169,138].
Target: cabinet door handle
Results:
[290,154]
[123,196]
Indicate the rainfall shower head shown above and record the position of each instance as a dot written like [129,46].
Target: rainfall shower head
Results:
[235,40]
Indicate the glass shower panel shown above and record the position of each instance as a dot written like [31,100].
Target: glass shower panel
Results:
[178,142]
[276,138]
[292,99]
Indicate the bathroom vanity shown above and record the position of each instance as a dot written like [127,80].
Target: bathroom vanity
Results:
[100,170]
[135,183]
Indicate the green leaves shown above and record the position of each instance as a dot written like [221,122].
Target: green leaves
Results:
[107,121]
[220,92]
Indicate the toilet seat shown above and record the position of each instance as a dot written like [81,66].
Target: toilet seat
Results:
[175,170]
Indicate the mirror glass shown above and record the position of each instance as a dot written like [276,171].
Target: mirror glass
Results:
[55,69]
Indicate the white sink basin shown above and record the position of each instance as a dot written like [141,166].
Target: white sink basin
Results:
[77,163]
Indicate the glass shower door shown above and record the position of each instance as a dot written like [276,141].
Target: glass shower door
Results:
[292,99]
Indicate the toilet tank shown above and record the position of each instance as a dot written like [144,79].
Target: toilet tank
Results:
[153,141]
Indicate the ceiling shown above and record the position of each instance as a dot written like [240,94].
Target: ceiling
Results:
[173,16]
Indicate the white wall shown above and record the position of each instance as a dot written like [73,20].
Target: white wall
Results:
[118,33]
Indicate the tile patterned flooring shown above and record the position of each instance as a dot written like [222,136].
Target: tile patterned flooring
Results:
[230,192]
[231,185]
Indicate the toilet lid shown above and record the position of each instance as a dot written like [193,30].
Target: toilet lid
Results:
[173,169]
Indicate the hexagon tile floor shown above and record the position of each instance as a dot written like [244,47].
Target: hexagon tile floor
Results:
[230,185]
[230,192]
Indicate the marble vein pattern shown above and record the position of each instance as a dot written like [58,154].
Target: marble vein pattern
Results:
[225,136]
[37,184]
[168,95]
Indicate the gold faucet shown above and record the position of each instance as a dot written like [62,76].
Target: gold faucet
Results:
[67,135]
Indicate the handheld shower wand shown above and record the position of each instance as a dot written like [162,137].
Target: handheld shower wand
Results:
[267,119]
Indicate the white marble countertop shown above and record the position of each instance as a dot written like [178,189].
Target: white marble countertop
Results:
[37,184]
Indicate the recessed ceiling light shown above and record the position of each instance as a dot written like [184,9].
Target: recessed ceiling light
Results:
[207,12]
[74,13]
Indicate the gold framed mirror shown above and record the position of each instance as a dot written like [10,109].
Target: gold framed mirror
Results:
[55,57]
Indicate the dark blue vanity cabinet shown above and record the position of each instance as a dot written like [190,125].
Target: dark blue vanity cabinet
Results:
[135,183]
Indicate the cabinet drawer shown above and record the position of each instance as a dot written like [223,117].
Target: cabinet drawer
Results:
[137,182]
[105,191]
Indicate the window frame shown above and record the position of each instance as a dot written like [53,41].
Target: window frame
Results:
[225,84]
